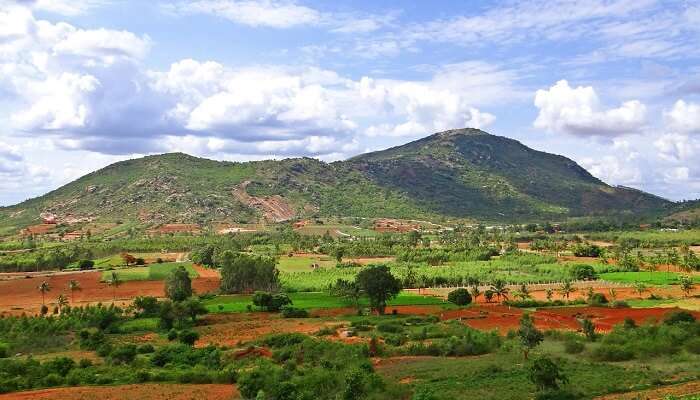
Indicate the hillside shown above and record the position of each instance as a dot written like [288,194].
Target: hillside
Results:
[463,173]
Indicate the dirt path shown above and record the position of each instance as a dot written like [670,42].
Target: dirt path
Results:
[147,391]
[683,389]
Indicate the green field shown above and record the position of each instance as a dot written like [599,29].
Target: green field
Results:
[153,272]
[312,300]
[651,278]
[303,264]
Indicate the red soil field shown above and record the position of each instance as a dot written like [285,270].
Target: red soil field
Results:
[22,294]
[141,392]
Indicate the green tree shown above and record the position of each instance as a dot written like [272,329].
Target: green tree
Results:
[379,285]
[242,273]
[114,281]
[588,328]
[62,301]
[348,290]
[499,289]
[73,286]
[530,337]
[460,297]
[640,288]
[44,288]
[549,293]
[545,374]
[178,285]
[475,292]
[194,307]
[566,289]
[687,285]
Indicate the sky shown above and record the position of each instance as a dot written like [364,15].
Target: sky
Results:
[611,84]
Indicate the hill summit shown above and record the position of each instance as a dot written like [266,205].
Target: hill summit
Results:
[462,173]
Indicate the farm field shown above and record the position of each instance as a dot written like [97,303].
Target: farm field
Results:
[652,278]
[153,272]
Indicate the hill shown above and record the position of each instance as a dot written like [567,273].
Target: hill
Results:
[464,173]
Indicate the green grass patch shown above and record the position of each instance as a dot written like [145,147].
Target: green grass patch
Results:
[303,264]
[153,272]
[312,300]
[650,278]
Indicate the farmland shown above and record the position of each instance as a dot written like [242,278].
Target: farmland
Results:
[259,298]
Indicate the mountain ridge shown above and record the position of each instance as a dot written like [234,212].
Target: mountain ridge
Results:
[458,174]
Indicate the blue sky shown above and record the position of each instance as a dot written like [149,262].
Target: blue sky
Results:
[612,84]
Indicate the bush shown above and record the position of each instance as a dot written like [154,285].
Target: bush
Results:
[460,297]
[172,335]
[619,304]
[146,349]
[693,346]
[390,327]
[291,312]
[188,337]
[598,299]
[574,347]
[612,352]
[86,265]
[124,354]
[271,302]
[4,352]
[679,317]
[583,272]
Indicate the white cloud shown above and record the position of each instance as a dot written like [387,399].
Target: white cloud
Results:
[675,147]
[612,170]
[683,117]
[62,7]
[280,14]
[578,111]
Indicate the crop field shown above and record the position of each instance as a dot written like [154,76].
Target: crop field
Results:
[153,272]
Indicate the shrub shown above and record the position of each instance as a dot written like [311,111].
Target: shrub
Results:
[291,312]
[4,352]
[390,327]
[612,352]
[693,346]
[583,272]
[574,347]
[271,302]
[188,337]
[545,374]
[598,299]
[460,297]
[146,349]
[679,317]
[124,354]
[172,335]
[619,304]
[86,265]
[147,306]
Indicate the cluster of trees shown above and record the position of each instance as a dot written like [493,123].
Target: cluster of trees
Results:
[243,273]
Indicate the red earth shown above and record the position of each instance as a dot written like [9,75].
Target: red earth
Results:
[144,391]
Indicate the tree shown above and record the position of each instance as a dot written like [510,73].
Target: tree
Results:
[640,288]
[548,294]
[460,297]
[44,288]
[269,301]
[475,292]
[61,301]
[488,295]
[530,337]
[114,281]
[379,285]
[128,259]
[545,374]
[588,328]
[188,337]
[613,294]
[242,273]
[687,285]
[73,286]
[86,265]
[348,290]
[499,289]
[523,292]
[566,289]
[194,307]
[203,255]
[178,285]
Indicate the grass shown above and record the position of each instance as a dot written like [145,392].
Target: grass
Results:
[139,325]
[153,272]
[312,300]
[651,278]
[303,264]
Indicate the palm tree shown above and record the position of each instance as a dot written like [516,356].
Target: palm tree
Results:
[499,289]
[549,293]
[687,285]
[613,294]
[640,288]
[114,282]
[44,288]
[475,292]
[73,286]
[566,289]
[61,302]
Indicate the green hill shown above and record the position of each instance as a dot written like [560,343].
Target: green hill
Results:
[464,173]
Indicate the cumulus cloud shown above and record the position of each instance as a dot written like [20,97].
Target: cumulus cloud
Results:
[579,111]
[62,7]
[683,117]
[613,170]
